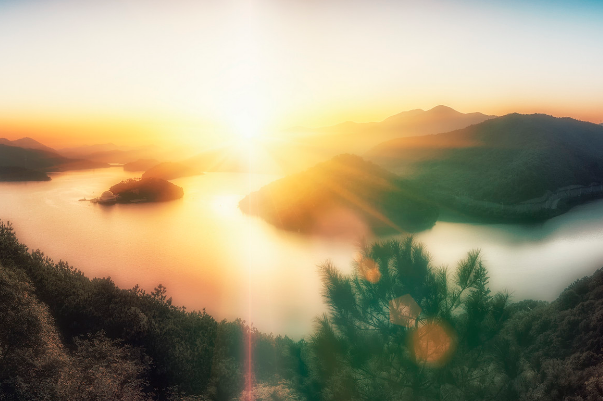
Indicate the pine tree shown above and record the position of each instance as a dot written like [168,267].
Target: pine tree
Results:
[399,328]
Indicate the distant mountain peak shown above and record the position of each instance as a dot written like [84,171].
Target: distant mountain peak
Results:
[26,143]
[436,114]
[357,138]
[441,108]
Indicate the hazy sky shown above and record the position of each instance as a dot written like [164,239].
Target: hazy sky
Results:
[108,70]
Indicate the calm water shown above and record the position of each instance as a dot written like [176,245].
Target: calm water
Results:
[209,255]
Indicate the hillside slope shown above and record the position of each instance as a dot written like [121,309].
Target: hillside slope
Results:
[507,159]
[554,352]
[342,193]
[26,143]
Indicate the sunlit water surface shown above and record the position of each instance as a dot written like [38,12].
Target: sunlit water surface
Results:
[210,255]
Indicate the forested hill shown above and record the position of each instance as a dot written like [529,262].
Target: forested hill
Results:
[146,190]
[341,192]
[507,159]
[66,337]
[555,352]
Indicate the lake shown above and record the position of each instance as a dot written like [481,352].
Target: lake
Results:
[210,255]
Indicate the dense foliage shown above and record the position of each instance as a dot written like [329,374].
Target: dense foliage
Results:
[363,350]
[62,333]
[397,328]
[147,190]
[465,344]
[555,352]
[345,185]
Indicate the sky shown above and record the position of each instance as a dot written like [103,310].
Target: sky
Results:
[196,71]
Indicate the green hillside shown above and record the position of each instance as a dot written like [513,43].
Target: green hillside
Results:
[507,159]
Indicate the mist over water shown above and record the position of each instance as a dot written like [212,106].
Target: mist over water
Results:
[210,255]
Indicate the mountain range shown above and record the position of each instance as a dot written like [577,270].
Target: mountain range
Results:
[317,145]
[27,143]
[506,159]
[109,153]
[42,160]
[510,168]
[351,137]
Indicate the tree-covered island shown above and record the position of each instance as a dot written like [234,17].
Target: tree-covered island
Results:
[136,190]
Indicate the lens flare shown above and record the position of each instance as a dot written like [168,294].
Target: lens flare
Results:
[368,268]
[433,343]
[404,311]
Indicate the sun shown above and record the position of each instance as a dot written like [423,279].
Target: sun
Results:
[245,103]
[246,114]
[247,124]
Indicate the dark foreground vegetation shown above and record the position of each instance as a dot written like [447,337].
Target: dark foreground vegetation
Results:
[146,190]
[345,186]
[398,329]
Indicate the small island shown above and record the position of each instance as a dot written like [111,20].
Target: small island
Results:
[141,190]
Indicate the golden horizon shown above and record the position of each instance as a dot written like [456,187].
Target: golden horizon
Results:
[64,131]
